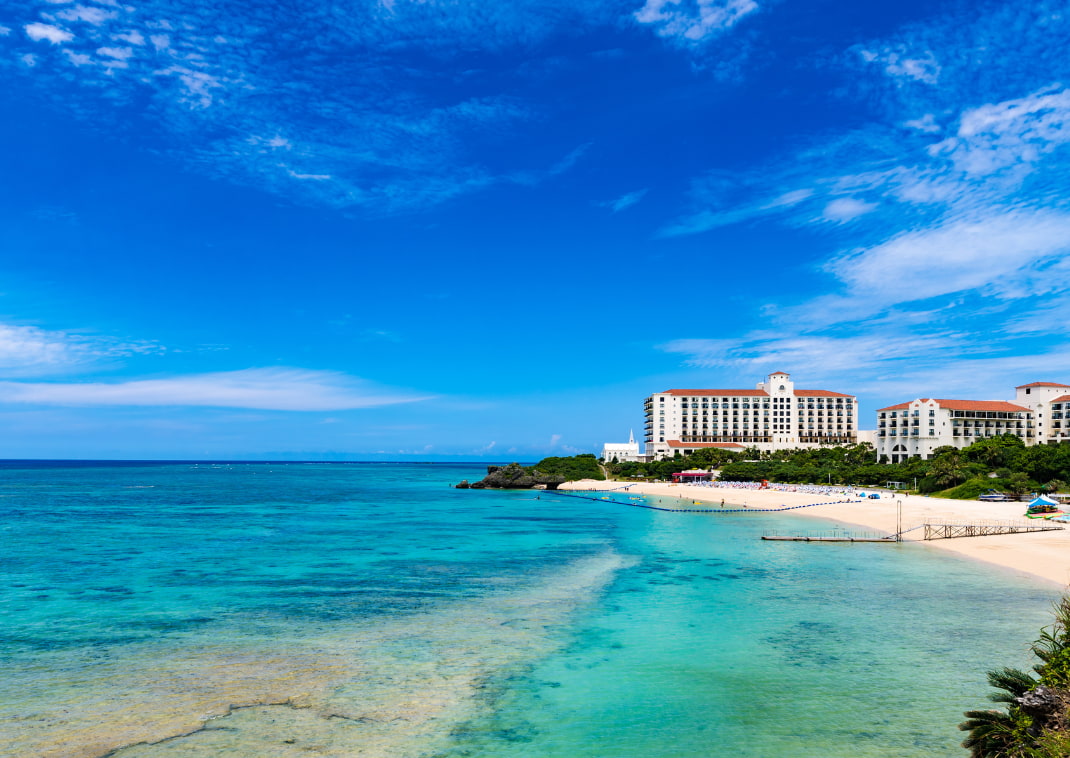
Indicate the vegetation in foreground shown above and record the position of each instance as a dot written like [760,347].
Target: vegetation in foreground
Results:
[572,468]
[549,473]
[1001,463]
[1036,721]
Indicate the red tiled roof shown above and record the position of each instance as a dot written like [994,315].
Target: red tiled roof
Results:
[960,405]
[1061,399]
[711,393]
[678,443]
[751,393]
[979,405]
[1042,384]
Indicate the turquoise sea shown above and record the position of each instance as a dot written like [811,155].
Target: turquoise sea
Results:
[283,610]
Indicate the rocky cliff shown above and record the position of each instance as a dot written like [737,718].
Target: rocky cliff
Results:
[513,477]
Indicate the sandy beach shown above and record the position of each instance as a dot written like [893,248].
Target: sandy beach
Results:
[1044,555]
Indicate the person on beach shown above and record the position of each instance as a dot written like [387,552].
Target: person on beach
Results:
[722,502]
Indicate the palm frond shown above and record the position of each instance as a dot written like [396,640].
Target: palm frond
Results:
[1013,682]
[992,734]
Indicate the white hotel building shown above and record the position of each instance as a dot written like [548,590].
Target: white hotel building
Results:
[773,416]
[916,428]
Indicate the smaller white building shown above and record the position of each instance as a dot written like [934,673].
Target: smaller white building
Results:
[916,428]
[622,452]
[1048,401]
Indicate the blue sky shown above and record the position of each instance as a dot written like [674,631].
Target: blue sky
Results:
[489,230]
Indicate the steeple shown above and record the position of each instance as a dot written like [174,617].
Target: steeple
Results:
[631,436]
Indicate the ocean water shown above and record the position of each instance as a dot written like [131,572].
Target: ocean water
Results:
[283,610]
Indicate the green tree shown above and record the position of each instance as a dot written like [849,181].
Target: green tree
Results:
[1056,485]
[949,468]
[1017,483]
[584,466]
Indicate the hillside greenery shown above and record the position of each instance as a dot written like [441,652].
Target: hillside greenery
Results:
[1001,463]
[584,466]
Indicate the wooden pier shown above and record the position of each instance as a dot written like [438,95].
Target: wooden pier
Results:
[949,530]
[934,530]
[780,538]
[830,535]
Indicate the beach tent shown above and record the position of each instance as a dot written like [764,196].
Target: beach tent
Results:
[1042,500]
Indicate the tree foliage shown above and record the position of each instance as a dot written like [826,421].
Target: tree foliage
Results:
[1001,463]
[584,466]
[1034,724]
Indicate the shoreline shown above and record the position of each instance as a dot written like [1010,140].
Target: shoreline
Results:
[1041,555]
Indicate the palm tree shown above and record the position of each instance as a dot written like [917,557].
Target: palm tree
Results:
[1035,722]
[992,734]
[949,469]
[995,734]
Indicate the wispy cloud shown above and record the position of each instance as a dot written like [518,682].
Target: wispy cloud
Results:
[693,21]
[325,105]
[844,209]
[31,351]
[952,231]
[920,66]
[626,200]
[1017,254]
[39,32]
[280,389]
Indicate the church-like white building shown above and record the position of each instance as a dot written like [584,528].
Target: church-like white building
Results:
[622,451]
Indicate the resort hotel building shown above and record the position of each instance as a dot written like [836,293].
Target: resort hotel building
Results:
[916,428]
[773,416]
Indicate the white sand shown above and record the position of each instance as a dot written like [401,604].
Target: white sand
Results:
[1044,555]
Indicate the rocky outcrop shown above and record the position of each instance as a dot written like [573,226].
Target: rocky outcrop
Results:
[1047,707]
[513,477]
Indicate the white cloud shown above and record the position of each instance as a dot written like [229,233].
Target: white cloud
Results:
[1017,132]
[88,14]
[846,209]
[120,53]
[5,31]
[693,20]
[78,59]
[133,37]
[711,219]
[309,177]
[282,389]
[992,253]
[39,32]
[926,123]
[198,85]
[823,355]
[898,62]
[29,60]
[960,235]
[625,201]
[30,351]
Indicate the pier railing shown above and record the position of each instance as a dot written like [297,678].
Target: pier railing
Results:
[830,535]
[945,530]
